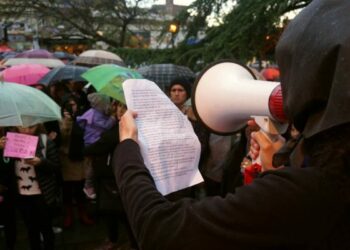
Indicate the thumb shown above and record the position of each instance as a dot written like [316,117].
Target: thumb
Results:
[262,139]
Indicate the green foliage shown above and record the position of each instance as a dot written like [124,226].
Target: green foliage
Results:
[243,33]
[250,30]
[138,57]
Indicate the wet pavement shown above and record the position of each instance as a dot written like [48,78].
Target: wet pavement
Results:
[77,237]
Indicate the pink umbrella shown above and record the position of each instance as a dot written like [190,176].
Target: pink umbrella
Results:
[27,74]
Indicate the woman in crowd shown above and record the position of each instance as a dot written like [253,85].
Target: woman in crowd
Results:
[108,199]
[72,158]
[37,189]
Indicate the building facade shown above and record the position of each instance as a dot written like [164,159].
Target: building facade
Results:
[146,32]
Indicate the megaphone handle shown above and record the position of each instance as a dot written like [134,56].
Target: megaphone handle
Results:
[272,138]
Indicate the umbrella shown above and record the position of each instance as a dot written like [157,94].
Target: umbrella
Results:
[27,74]
[97,57]
[48,62]
[67,72]
[164,74]
[8,54]
[271,74]
[108,78]
[21,105]
[64,56]
[5,48]
[35,53]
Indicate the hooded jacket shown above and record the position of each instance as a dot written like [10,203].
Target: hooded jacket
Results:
[313,55]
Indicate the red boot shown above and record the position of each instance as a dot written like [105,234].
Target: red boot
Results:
[83,216]
[68,216]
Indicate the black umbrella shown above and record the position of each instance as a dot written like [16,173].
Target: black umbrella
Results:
[164,74]
[67,72]
[64,56]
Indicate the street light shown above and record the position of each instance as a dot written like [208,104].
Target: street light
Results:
[173,28]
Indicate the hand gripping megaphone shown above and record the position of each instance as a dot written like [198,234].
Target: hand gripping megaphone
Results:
[226,95]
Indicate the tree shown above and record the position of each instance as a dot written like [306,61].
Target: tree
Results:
[99,20]
[250,30]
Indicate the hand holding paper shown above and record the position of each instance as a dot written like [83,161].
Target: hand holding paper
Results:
[2,142]
[34,161]
[127,126]
[169,146]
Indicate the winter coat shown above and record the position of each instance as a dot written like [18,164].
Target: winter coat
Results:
[94,123]
[72,163]
[49,171]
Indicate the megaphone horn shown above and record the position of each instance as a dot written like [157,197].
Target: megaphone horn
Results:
[226,95]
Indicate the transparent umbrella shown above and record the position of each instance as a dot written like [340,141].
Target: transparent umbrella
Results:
[91,58]
[21,105]
[48,62]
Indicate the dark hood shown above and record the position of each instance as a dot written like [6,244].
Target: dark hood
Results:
[314,59]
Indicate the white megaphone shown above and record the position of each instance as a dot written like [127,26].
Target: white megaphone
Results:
[226,95]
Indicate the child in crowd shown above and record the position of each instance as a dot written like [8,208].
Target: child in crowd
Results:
[37,188]
[94,122]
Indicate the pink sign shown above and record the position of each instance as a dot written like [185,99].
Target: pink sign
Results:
[20,145]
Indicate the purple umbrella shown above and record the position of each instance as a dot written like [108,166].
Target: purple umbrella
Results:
[35,53]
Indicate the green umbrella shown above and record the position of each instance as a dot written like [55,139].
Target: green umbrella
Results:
[108,78]
[25,106]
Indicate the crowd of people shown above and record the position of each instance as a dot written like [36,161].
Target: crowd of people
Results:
[72,165]
[299,202]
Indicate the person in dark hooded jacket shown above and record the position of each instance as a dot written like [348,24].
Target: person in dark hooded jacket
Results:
[284,208]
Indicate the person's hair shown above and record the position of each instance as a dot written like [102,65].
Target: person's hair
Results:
[40,129]
[184,82]
[65,104]
[330,151]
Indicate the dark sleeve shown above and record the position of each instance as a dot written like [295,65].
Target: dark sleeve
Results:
[274,211]
[203,137]
[105,144]
[51,162]
[2,168]
[53,126]
[5,171]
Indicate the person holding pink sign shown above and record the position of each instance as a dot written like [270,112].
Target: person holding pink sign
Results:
[35,182]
